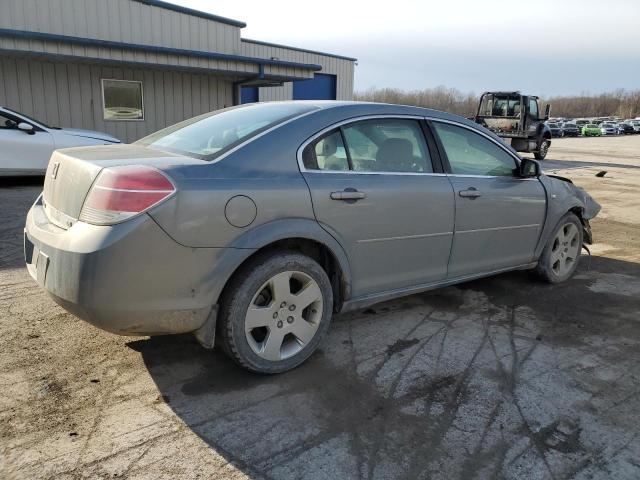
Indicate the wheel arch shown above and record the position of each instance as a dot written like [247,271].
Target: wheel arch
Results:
[302,235]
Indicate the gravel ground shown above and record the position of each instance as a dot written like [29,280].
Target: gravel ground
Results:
[504,377]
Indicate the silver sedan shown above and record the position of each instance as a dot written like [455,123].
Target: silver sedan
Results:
[251,226]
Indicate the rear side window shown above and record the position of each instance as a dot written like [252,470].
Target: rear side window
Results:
[327,153]
[470,153]
[381,146]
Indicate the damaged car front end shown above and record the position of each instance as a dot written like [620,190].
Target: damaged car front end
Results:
[565,196]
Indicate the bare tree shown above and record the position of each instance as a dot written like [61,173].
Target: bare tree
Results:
[621,103]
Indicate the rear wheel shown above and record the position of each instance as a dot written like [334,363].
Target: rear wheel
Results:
[561,255]
[542,150]
[275,312]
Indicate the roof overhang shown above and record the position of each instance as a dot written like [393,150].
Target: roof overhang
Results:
[177,52]
[242,77]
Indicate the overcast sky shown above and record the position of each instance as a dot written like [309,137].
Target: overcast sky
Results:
[544,47]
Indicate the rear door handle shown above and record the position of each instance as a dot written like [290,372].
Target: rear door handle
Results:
[470,193]
[348,194]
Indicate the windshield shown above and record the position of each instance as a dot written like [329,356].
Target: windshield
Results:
[211,134]
[27,117]
[591,125]
[570,125]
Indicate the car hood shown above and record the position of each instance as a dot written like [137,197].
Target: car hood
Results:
[591,208]
[76,132]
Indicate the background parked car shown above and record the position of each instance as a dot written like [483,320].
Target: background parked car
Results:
[608,129]
[591,130]
[625,129]
[26,144]
[555,128]
[570,130]
[581,123]
[636,125]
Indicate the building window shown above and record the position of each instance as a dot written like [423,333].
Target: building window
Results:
[122,100]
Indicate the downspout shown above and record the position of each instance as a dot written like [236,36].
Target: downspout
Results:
[237,86]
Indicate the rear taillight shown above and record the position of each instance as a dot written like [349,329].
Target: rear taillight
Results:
[120,193]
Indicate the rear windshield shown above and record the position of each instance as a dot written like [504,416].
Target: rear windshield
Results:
[211,134]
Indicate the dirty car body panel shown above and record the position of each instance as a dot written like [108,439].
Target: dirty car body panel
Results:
[163,269]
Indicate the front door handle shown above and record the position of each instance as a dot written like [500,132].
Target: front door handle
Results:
[348,194]
[470,193]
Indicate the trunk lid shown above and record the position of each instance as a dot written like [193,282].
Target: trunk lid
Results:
[72,171]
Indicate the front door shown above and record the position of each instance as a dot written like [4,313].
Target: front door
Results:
[22,152]
[499,216]
[374,189]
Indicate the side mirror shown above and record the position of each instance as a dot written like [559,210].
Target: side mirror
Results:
[26,127]
[530,168]
[547,111]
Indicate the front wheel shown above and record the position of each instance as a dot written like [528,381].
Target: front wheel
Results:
[561,255]
[275,311]
[542,150]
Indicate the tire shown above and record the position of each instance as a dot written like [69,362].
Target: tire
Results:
[260,327]
[542,149]
[564,244]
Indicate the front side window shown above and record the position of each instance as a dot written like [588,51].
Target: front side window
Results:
[7,122]
[533,107]
[381,145]
[122,100]
[211,134]
[470,153]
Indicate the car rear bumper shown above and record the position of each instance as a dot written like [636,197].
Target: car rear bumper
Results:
[129,279]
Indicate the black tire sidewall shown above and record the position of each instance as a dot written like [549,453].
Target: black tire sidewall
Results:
[544,263]
[539,155]
[235,304]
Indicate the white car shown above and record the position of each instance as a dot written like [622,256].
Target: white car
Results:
[27,144]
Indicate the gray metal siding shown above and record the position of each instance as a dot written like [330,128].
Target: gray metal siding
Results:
[70,95]
[342,68]
[121,21]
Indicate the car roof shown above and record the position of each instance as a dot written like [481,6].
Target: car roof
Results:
[375,108]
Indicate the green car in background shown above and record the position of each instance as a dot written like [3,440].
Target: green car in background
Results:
[591,130]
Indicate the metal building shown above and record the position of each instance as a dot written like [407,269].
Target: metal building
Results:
[131,67]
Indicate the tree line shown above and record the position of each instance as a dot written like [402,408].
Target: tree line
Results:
[621,103]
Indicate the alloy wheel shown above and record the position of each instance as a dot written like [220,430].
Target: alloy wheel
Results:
[284,315]
[565,249]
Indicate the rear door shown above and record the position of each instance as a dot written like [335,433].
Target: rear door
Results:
[22,152]
[499,216]
[376,188]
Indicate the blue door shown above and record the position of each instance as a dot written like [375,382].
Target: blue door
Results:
[249,95]
[320,87]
